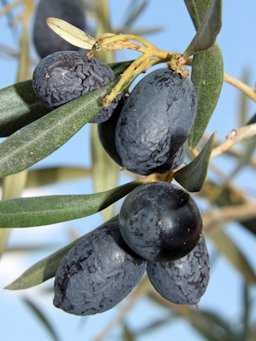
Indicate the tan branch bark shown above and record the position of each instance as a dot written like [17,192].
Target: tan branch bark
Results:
[229,213]
[235,136]
[249,92]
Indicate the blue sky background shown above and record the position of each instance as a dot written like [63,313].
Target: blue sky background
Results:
[237,40]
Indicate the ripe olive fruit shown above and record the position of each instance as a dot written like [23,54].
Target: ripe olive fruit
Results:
[160,221]
[182,281]
[155,122]
[45,40]
[97,273]
[66,75]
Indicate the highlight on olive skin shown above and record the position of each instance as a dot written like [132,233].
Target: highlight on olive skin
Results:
[160,221]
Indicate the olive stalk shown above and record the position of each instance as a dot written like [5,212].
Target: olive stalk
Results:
[152,55]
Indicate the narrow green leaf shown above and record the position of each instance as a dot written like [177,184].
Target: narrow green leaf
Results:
[232,252]
[71,33]
[134,10]
[207,74]
[157,323]
[252,333]
[203,321]
[207,77]
[247,155]
[42,318]
[207,322]
[47,176]
[144,31]
[208,30]
[247,306]
[39,139]
[120,67]
[242,107]
[228,196]
[252,120]
[52,175]
[30,248]
[197,10]
[20,106]
[128,335]
[41,271]
[193,175]
[38,211]
[44,269]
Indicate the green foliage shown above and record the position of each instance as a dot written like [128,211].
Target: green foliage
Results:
[38,211]
[233,253]
[42,318]
[207,65]
[42,137]
[198,167]
[207,76]
[197,10]
[208,30]
[41,271]
[19,107]
[44,269]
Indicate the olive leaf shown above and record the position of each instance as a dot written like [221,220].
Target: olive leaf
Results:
[26,248]
[134,11]
[42,318]
[38,211]
[49,175]
[205,322]
[145,30]
[208,30]
[228,248]
[197,10]
[45,268]
[229,196]
[193,175]
[243,101]
[41,271]
[71,34]
[207,77]
[120,67]
[207,74]
[20,106]
[42,137]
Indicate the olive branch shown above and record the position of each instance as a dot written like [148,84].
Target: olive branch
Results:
[151,55]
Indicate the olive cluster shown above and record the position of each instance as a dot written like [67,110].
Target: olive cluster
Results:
[159,228]
[158,231]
